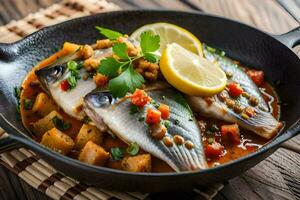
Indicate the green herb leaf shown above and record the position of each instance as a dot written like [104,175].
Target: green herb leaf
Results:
[28,103]
[109,67]
[151,57]
[133,149]
[72,65]
[61,124]
[110,34]
[120,49]
[128,81]
[72,81]
[167,124]
[149,42]
[134,109]
[117,153]
[17,92]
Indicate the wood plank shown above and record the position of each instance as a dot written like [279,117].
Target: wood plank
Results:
[277,177]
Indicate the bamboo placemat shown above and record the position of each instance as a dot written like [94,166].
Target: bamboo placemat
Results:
[25,163]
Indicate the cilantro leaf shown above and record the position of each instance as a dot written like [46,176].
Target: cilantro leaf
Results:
[110,34]
[109,67]
[120,49]
[151,57]
[149,42]
[128,81]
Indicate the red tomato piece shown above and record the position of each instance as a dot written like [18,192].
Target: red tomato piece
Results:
[232,132]
[165,111]
[153,116]
[64,85]
[235,89]
[257,76]
[140,98]
[214,150]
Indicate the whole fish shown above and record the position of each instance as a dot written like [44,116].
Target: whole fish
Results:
[113,115]
[70,101]
[262,123]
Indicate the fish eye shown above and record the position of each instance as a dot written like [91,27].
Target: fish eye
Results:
[101,99]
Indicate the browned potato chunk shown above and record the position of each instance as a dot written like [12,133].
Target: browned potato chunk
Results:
[58,141]
[139,163]
[88,133]
[45,124]
[93,154]
[43,104]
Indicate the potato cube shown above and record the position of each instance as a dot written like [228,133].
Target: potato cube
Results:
[93,154]
[45,124]
[139,163]
[58,141]
[88,133]
[43,104]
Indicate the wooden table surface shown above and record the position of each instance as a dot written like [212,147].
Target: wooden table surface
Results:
[278,177]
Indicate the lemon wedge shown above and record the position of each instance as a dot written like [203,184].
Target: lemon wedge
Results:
[190,73]
[170,33]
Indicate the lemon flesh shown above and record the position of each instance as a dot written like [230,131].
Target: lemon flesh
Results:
[190,73]
[170,33]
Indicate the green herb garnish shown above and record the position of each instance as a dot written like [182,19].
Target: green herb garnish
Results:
[28,103]
[213,50]
[167,124]
[124,78]
[74,68]
[134,109]
[110,34]
[133,149]
[117,153]
[17,93]
[141,119]
[61,124]
[176,122]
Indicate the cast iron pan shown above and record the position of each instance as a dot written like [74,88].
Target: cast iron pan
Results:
[241,42]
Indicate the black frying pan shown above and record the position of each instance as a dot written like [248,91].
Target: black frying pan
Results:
[241,42]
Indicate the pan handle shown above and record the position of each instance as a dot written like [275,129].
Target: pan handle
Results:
[291,38]
[291,132]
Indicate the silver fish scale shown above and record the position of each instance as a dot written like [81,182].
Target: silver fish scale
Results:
[239,76]
[128,127]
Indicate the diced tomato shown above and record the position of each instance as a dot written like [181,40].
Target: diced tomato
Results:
[257,76]
[235,89]
[232,132]
[140,98]
[153,116]
[214,150]
[165,111]
[64,85]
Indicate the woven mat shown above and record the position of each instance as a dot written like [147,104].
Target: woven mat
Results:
[25,163]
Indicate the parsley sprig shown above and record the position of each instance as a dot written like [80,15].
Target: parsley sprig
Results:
[124,78]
